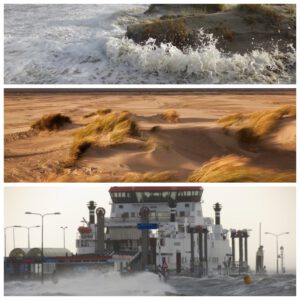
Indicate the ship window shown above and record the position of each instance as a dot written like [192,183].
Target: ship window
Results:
[181,228]
[125,215]
[182,214]
[123,195]
[187,205]
[121,206]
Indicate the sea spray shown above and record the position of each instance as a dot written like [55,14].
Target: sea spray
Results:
[86,44]
[98,283]
[92,283]
[206,64]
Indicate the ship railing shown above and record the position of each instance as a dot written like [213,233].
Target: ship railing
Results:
[120,220]
[135,257]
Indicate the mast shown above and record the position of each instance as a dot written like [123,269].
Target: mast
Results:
[259,234]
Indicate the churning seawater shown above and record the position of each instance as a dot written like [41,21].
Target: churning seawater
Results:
[96,283]
[70,44]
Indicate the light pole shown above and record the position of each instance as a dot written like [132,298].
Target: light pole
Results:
[277,235]
[28,232]
[13,227]
[64,234]
[42,217]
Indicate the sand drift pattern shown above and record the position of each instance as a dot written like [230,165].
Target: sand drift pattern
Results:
[46,44]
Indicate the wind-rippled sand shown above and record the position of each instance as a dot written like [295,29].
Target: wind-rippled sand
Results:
[179,147]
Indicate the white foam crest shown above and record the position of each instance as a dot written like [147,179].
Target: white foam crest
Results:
[86,44]
[206,64]
[93,283]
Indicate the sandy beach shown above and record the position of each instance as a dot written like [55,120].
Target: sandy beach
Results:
[177,148]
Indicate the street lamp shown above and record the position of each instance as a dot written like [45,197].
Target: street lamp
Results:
[14,242]
[277,235]
[64,234]
[42,217]
[28,232]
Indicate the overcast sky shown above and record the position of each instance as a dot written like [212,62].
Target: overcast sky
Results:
[243,207]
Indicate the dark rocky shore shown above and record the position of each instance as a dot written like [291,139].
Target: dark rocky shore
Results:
[238,28]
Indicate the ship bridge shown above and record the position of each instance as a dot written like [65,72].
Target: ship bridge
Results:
[184,202]
[158,194]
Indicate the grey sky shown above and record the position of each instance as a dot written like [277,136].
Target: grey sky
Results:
[243,207]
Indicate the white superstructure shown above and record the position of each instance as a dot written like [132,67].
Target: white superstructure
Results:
[152,226]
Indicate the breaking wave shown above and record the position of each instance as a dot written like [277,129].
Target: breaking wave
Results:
[92,283]
[206,64]
[97,283]
[87,44]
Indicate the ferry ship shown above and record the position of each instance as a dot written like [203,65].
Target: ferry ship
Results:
[150,227]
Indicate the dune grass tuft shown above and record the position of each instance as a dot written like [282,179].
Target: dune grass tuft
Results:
[254,126]
[51,122]
[115,127]
[164,176]
[104,111]
[100,112]
[232,168]
[155,129]
[212,7]
[90,115]
[266,10]
[170,116]
[172,30]
[80,146]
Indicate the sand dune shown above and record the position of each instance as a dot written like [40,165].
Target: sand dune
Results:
[177,148]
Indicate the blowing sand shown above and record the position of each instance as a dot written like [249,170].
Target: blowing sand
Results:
[176,148]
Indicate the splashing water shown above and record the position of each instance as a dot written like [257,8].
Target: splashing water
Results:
[92,283]
[206,64]
[96,283]
[87,44]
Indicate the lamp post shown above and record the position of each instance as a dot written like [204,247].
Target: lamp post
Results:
[42,217]
[277,235]
[64,234]
[28,232]
[13,227]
